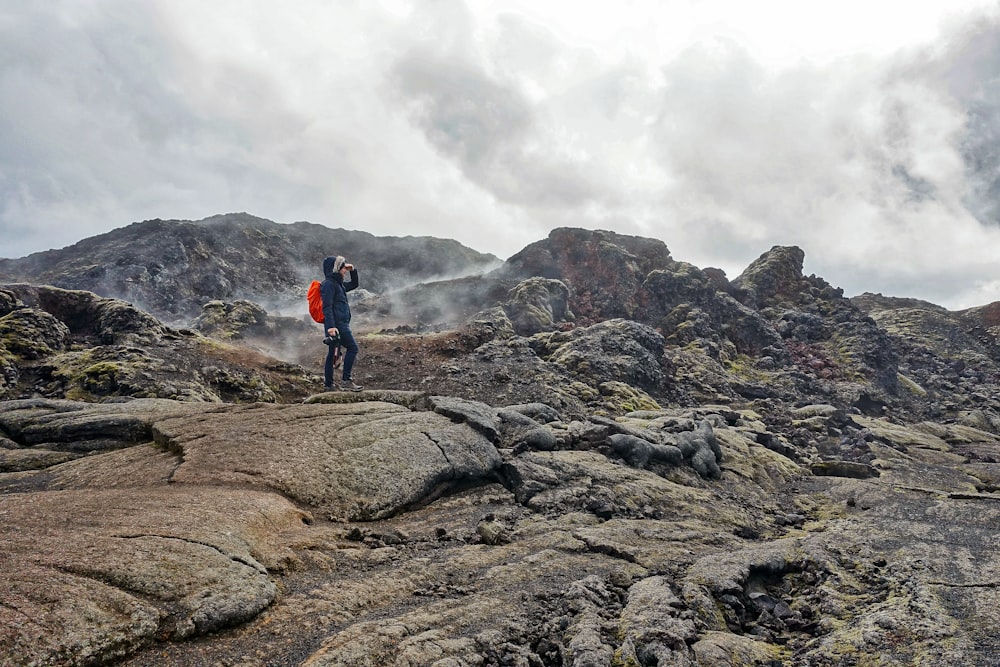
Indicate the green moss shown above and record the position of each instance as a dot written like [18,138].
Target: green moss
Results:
[843,353]
[621,398]
[102,368]
[621,660]
[25,346]
[213,345]
[102,378]
[910,386]
[582,391]
[820,509]
[97,372]
[743,367]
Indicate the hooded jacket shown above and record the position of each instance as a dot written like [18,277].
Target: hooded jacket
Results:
[336,310]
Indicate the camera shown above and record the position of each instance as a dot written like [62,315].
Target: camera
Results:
[332,340]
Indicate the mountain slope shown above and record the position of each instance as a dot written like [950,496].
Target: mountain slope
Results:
[171,268]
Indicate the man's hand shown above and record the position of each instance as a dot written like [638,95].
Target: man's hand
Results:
[332,331]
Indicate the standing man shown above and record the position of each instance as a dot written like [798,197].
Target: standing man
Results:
[337,318]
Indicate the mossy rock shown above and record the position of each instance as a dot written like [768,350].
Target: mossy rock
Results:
[8,371]
[32,334]
[620,398]
[230,321]
[101,372]
[910,386]
[538,304]
[8,302]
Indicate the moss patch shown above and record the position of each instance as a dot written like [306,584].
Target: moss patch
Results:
[620,398]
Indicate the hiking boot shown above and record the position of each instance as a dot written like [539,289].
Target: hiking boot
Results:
[331,387]
[348,385]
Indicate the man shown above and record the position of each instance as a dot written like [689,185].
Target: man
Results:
[337,319]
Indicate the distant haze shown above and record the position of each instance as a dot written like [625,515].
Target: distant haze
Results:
[865,133]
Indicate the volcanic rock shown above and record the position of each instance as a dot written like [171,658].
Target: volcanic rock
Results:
[593,455]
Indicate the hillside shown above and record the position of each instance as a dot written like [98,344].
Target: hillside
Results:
[171,268]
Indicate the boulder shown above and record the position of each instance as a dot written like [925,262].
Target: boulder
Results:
[538,304]
[851,469]
[32,334]
[774,278]
[621,350]
[231,320]
[479,416]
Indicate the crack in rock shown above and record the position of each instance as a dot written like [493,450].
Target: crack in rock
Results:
[950,584]
[254,565]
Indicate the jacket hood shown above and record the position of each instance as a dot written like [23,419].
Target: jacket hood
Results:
[328,266]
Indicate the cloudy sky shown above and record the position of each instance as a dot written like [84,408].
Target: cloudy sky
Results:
[865,132]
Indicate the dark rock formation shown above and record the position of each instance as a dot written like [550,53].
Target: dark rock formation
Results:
[688,306]
[605,269]
[947,360]
[825,334]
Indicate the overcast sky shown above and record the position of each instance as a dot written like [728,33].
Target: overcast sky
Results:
[865,132]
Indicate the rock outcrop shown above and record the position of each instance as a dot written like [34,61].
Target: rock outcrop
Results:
[606,269]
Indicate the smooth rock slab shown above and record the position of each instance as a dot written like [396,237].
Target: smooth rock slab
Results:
[58,422]
[97,573]
[15,460]
[355,461]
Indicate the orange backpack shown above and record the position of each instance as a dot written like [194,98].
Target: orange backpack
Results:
[315,299]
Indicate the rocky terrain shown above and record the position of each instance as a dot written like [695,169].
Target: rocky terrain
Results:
[593,454]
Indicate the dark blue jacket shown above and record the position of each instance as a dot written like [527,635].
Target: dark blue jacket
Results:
[336,310]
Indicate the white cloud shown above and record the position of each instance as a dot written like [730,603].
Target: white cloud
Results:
[864,133]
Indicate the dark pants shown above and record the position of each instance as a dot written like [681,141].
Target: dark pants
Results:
[347,341]
[331,353]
